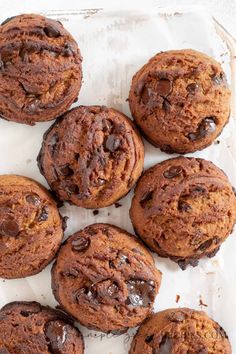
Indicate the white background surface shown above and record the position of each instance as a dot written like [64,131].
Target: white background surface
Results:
[114,46]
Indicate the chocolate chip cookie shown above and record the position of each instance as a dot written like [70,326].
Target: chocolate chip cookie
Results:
[29,328]
[180,100]
[30,227]
[184,331]
[105,278]
[91,156]
[40,69]
[184,208]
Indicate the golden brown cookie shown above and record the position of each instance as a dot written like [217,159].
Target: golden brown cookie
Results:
[30,227]
[180,331]
[91,156]
[180,100]
[184,208]
[105,278]
[40,69]
[29,328]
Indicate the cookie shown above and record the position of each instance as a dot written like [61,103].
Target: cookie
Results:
[184,208]
[40,69]
[30,227]
[29,328]
[91,156]
[180,100]
[182,330]
[105,278]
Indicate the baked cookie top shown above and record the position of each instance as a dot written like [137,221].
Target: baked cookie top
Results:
[91,156]
[40,69]
[30,227]
[105,278]
[29,328]
[181,330]
[184,208]
[180,100]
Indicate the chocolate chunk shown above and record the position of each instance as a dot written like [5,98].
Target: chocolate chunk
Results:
[1,64]
[51,31]
[141,292]
[68,50]
[205,245]
[9,227]
[219,79]
[32,106]
[25,313]
[207,126]
[163,87]
[183,206]
[72,272]
[146,199]
[56,335]
[65,170]
[166,105]
[72,189]
[107,289]
[106,125]
[33,199]
[7,20]
[173,172]
[24,57]
[149,339]
[198,190]
[53,142]
[112,143]
[192,88]
[80,244]
[164,347]
[43,215]
[177,316]
[95,212]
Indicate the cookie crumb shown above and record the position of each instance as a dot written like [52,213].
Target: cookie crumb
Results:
[217,142]
[177,298]
[118,205]
[201,303]
[95,212]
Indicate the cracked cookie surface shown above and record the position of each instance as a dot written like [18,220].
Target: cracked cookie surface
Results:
[180,331]
[91,156]
[30,227]
[180,100]
[184,208]
[29,328]
[40,69]
[105,278]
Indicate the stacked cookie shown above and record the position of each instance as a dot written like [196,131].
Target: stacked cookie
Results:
[183,208]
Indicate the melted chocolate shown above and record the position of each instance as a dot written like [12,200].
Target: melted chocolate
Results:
[44,214]
[146,199]
[9,228]
[56,334]
[80,244]
[51,31]
[207,126]
[33,199]
[112,143]
[192,88]
[141,292]
[164,347]
[174,171]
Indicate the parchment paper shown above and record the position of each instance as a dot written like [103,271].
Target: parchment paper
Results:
[115,44]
